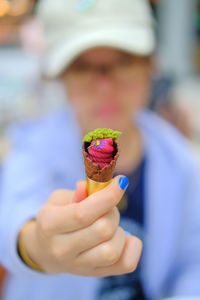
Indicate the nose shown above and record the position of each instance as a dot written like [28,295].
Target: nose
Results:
[104,83]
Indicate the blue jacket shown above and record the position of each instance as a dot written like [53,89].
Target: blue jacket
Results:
[47,156]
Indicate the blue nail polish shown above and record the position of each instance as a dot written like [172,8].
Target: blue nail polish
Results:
[127,233]
[123,182]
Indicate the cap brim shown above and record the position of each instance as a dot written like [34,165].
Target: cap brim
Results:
[140,41]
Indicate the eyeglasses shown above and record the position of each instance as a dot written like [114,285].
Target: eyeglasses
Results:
[83,75]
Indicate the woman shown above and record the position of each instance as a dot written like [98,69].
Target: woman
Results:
[101,50]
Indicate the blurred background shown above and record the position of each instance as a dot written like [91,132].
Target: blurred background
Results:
[175,89]
[25,95]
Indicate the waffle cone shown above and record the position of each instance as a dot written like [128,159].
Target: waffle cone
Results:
[94,171]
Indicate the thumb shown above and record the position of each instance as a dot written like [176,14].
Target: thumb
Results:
[81,191]
[101,202]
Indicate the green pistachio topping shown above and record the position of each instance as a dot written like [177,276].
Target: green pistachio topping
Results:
[101,133]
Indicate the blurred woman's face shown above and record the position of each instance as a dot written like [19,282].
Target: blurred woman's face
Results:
[107,86]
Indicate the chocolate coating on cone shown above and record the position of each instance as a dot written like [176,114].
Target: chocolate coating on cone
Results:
[94,171]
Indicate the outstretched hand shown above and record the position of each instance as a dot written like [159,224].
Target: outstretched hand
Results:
[82,237]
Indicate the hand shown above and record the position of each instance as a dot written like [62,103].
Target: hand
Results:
[82,237]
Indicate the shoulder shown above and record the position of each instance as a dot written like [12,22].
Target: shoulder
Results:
[168,141]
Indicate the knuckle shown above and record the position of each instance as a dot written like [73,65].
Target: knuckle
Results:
[109,254]
[80,216]
[105,229]
[44,222]
[58,252]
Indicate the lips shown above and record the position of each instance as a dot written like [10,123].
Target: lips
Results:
[107,111]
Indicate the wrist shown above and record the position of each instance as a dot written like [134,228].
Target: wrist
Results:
[27,245]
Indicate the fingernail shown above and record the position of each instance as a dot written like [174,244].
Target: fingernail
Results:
[123,182]
[127,233]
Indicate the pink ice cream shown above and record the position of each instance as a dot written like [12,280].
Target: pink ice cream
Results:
[101,151]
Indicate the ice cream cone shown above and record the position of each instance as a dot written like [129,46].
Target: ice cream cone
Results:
[94,171]
[94,186]
[100,152]
[97,177]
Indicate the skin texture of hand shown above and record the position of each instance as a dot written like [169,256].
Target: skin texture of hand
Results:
[82,237]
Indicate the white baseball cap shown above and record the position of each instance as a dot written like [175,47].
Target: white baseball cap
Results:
[74,26]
